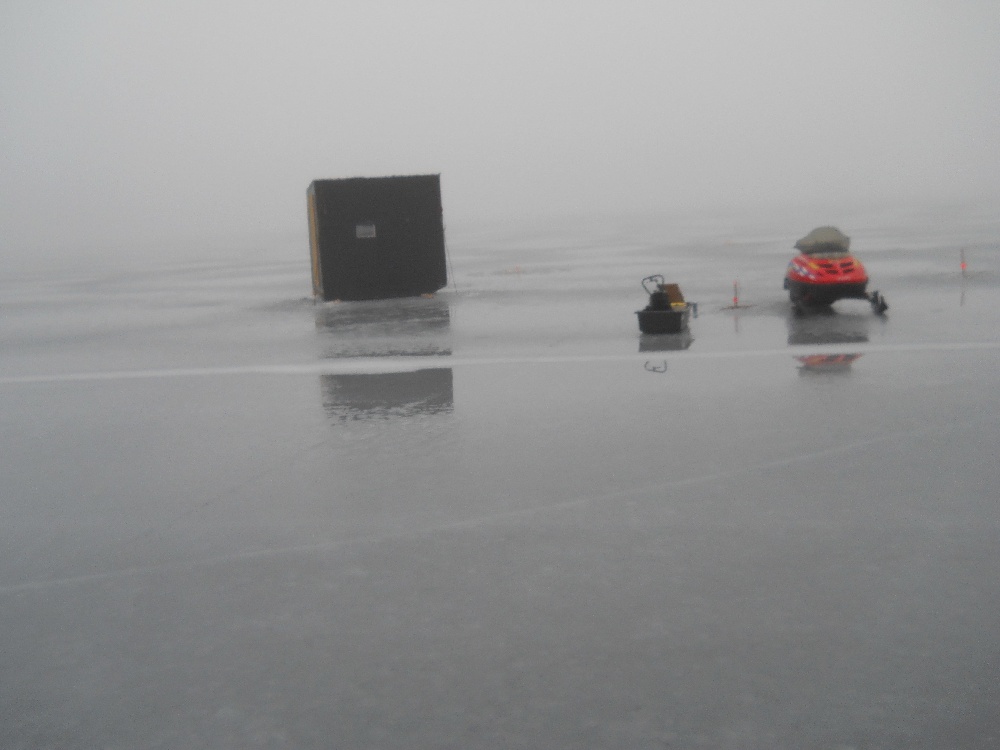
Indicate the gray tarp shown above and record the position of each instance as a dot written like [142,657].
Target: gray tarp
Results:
[823,238]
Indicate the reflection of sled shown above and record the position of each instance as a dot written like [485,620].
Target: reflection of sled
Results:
[827,363]
[667,312]
[665,342]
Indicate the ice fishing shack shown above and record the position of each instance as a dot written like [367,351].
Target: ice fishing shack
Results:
[376,237]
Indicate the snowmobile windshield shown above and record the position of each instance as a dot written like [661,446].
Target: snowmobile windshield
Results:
[832,252]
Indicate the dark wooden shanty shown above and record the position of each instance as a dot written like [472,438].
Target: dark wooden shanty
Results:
[377,237]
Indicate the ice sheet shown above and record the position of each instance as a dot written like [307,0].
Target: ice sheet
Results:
[500,517]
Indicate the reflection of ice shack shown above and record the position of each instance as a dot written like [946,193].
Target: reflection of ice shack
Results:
[414,326]
[347,397]
[376,237]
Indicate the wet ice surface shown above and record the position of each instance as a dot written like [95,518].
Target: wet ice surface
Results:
[500,517]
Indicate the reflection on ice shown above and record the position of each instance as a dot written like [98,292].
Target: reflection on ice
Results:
[384,317]
[386,349]
[404,327]
[414,326]
[387,395]
[827,326]
[827,364]
[665,342]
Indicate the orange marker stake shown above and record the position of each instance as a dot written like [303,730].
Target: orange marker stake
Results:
[962,256]
[736,294]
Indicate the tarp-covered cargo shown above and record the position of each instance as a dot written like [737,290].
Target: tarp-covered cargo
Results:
[824,239]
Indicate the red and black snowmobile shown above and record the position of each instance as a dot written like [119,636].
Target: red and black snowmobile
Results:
[824,271]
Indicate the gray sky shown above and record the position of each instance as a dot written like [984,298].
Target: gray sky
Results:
[138,125]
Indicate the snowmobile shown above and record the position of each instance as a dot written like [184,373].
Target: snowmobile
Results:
[824,271]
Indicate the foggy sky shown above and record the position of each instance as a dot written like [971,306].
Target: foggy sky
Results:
[147,127]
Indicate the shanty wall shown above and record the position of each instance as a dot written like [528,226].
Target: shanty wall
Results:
[377,237]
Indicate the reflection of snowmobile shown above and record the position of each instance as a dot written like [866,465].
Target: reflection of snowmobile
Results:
[824,325]
[824,272]
[667,312]
[827,363]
